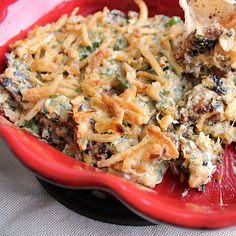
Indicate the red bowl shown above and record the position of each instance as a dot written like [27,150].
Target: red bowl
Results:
[169,201]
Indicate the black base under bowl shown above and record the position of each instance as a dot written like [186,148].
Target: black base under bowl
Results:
[94,204]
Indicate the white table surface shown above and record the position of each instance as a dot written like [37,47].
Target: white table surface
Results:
[27,209]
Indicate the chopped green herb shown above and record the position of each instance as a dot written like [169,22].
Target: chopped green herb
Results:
[163,93]
[86,51]
[150,70]
[30,124]
[96,44]
[123,83]
[44,110]
[121,44]
[57,107]
[107,71]
[179,92]
[125,123]
[175,20]
[165,68]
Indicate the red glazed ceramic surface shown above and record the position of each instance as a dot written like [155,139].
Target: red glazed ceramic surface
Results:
[171,201]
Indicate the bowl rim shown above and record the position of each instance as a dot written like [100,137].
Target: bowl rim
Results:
[138,200]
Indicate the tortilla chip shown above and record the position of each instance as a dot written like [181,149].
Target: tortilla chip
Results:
[202,13]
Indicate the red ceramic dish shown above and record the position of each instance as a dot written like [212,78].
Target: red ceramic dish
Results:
[215,208]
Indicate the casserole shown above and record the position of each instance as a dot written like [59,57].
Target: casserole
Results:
[167,202]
